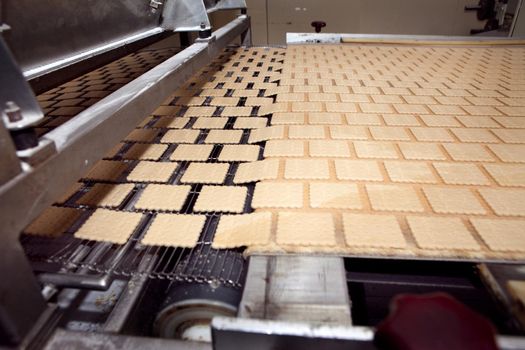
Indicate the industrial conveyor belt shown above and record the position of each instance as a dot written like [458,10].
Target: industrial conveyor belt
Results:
[114,194]
[380,150]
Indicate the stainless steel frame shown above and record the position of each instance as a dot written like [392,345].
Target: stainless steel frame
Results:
[79,144]
[50,50]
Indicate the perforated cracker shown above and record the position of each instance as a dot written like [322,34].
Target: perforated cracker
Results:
[213,173]
[363,230]
[192,152]
[232,111]
[468,152]
[224,136]
[163,197]
[210,123]
[511,136]
[206,111]
[269,133]
[340,107]
[288,118]
[174,230]
[306,132]
[146,171]
[393,198]
[53,222]
[507,174]
[441,233]
[171,123]
[474,135]
[239,153]
[242,230]
[501,235]
[167,110]
[389,133]
[221,199]
[405,171]
[446,109]
[366,170]
[509,153]
[307,106]
[307,229]
[505,202]
[306,169]
[190,101]
[453,200]
[273,194]
[224,101]
[257,171]
[400,120]
[258,101]
[284,148]
[432,134]
[341,132]
[249,123]
[145,151]
[363,119]
[374,149]
[334,195]
[461,174]
[325,118]
[105,195]
[109,226]
[180,136]
[329,148]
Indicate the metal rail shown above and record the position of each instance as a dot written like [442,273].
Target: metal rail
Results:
[337,38]
[79,143]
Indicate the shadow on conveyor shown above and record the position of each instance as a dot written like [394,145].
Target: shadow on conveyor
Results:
[372,283]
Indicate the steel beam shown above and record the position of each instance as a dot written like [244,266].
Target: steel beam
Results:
[237,333]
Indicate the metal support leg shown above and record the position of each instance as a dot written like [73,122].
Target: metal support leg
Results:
[246,37]
[296,288]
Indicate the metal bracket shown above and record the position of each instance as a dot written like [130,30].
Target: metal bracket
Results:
[185,16]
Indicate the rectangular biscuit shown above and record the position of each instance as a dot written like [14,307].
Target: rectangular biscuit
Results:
[105,195]
[221,199]
[174,230]
[109,226]
[213,173]
[146,171]
[267,169]
[305,229]
[243,230]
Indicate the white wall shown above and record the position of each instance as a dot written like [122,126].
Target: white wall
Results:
[430,17]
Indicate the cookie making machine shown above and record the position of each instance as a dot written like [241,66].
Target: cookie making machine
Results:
[101,296]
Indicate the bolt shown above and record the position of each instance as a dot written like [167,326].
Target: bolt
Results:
[203,26]
[13,112]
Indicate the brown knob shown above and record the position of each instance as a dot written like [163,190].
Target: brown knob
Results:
[318,25]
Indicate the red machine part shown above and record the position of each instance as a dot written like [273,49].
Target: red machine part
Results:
[432,322]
